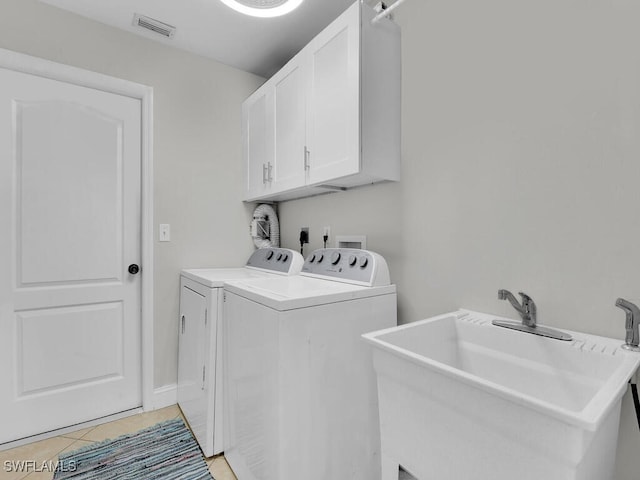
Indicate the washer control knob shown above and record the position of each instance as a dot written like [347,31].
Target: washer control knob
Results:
[352,260]
[269,254]
[364,261]
[335,258]
[279,257]
[313,258]
[320,257]
[285,257]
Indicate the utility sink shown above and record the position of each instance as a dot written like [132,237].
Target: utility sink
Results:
[462,398]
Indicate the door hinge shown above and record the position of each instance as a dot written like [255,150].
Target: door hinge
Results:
[224,296]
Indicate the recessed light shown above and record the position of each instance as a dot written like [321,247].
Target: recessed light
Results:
[263,8]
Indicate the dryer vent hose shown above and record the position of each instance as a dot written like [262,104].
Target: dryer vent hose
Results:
[265,228]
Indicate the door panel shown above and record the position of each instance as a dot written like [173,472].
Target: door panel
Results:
[257,142]
[81,195]
[70,160]
[49,358]
[334,101]
[289,128]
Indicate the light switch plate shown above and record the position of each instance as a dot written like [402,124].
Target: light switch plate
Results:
[165,232]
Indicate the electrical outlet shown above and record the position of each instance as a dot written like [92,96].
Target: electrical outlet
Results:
[304,235]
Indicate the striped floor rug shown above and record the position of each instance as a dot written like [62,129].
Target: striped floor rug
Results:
[165,451]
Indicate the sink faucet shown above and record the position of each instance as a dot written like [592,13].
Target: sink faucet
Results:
[528,313]
[528,308]
[632,339]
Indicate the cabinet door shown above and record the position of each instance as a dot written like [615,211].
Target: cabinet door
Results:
[289,117]
[333,133]
[257,142]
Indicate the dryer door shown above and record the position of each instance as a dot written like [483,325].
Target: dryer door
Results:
[192,347]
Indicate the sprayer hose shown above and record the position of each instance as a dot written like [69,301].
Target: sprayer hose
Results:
[636,401]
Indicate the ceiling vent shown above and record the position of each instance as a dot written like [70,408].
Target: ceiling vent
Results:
[154,25]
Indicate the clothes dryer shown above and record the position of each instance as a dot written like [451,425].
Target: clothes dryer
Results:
[200,338]
[300,389]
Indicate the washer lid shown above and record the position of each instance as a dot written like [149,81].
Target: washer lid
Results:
[288,293]
[216,277]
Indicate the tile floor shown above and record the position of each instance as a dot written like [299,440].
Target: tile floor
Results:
[48,450]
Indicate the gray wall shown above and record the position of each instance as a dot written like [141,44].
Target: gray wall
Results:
[521,167]
[521,137]
[197,145]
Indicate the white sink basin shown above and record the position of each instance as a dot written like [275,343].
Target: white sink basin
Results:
[488,402]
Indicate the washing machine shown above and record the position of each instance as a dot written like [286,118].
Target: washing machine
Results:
[300,389]
[200,338]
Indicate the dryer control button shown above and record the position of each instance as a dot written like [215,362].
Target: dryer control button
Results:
[279,257]
[352,260]
[364,261]
[335,258]
[313,258]
[285,257]
[320,258]
[269,254]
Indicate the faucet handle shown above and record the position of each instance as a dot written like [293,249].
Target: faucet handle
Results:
[525,298]
[528,302]
[530,309]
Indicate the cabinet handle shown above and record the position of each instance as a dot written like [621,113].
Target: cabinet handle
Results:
[306,158]
[182,320]
[269,169]
[264,173]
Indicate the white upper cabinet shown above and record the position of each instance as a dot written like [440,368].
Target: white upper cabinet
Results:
[257,142]
[333,98]
[289,127]
[330,118]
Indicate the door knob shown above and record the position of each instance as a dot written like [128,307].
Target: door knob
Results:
[133,269]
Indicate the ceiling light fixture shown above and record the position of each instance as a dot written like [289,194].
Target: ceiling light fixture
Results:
[263,8]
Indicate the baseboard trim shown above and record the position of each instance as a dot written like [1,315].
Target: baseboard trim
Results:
[164,396]
[72,428]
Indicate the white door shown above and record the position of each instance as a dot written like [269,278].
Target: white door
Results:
[333,129]
[70,161]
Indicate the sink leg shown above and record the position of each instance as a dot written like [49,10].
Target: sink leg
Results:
[390,468]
